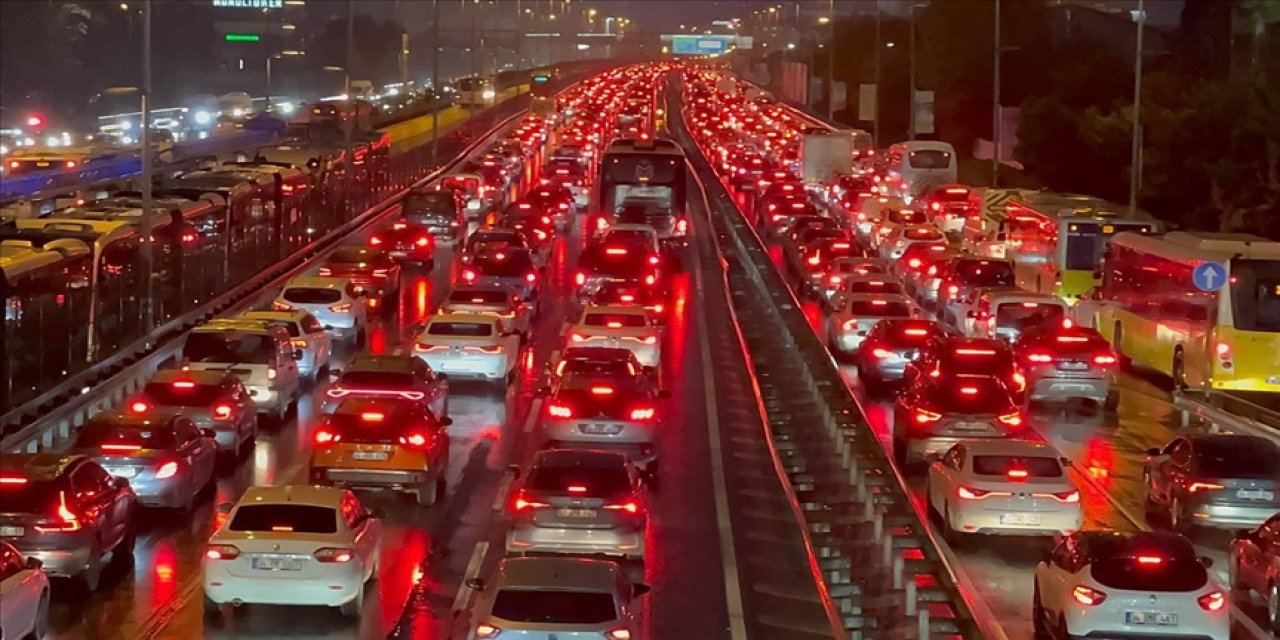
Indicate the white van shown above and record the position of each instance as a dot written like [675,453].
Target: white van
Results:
[917,166]
[257,352]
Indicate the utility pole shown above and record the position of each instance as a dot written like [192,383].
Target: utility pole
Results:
[911,50]
[436,93]
[995,104]
[348,164]
[474,41]
[831,60]
[1135,156]
[875,122]
[403,56]
[148,243]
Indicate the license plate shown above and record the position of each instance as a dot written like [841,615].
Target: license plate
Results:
[1151,618]
[122,472]
[1073,366]
[576,513]
[277,564]
[972,426]
[12,532]
[370,455]
[601,428]
[1020,518]
[1255,494]
[42,164]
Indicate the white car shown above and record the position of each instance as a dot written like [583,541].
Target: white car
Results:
[469,345]
[500,302]
[1109,584]
[848,325]
[900,237]
[293,545]
[306,334]
[1003,487]
[628,328]
[333,301]
[1004,314]
[24,596]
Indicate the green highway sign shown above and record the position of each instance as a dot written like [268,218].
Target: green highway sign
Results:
[242,37]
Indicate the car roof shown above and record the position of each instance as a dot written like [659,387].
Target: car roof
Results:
[203,377]
[468,318]
[38,466]
[292,493]
[561,574]
[316,282]
[1008,447]
[244,325]
[381,362]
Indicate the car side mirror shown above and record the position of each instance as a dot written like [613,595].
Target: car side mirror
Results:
[638,589]
[475,583]
[35,564]
[224,508]
[446,421]
[377,512]
[663,394]
[1153,452]
[1206,562]
[208,433]
[297,354]
[514,470]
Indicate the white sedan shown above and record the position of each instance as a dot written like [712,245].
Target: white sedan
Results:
[469,344]
[1003,487]
[293,545]
[24,596]
[628,328]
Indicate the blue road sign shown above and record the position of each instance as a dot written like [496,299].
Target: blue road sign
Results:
[700,45]
[1209,276]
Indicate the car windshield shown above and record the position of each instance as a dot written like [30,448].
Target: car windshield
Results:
[879,308]
[978,359]
[1022,466]
[300,295]
[1238,457]
[460,329]
[292,518]
[984,273]
[614,320]
[99,432]
[229,347]
[182,393]
[971,394]
[930,159]
[597,480]
[1146,563]
[552,606]
[377,379]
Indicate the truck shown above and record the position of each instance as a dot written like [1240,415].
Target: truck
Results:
[825,155]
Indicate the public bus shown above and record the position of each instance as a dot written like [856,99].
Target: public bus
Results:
[1154,314]
[476,92]
[651,172]
[1056,240]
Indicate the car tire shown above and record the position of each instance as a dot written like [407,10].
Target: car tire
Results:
[351,608]
[122,555]
[1112,401]
[40,627]
[1273,607]
[1178,516]
[428,492]
[87,581]
[949,533]
[1040,631]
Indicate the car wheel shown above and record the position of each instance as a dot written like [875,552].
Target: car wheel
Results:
[351,608]
[87,580]
[211,608]
[949,533]
[1178,516]
[40,628]
[1039,628]
[1273,607]
[428,492]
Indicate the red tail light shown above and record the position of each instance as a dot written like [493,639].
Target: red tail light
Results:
[970,493]
[580,278]
[882,353]
[924,416]
[1104,360]
[65,519]
[139,406]
[324,271]
[1212,601]
[1197,487]
[682,225]
[423,241]
[221,552]
[1087,596]
[1011,419]
[557,410]
[1071,496]
[1039,357]
[486,631]
[914,263]
[1017,475]
[643,413]
[375,240]
[167,470]
[524,503]
[333,554]
[324,437]
[531,277]
[468,275]
[373,416]
[630,506]
[415,439]
[223,411]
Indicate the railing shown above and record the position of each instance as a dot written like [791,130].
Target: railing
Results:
[1228,411]
[876,560]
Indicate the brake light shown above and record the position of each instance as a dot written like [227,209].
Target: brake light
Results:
[222,552]
[964,351]
[601,391]
[970,493]
[66,518]
[1039,357]
[1212,601]
[936,206]
[139,406]
[333,555]
[531,277]
[918,333]
[557,410]
[953,291]
[969,391]
[375,240]
[324,271]
[1019,381]
[1197,487]
[1012,419]
[281,306]
[13,480]
[341,308]
[324,437]
[924,416]
[373,416]
[486,631]
[167,470]
[580,278]
[416,439]
[223,410]
[1017,475]
[882,353]
[468,275]
[682,225]
[1104,360]
[1062,496]
[914,263]
[422,241]
[643,413]
[650,279]
[523,504]
[616,251]
[578,337]
[1087,596]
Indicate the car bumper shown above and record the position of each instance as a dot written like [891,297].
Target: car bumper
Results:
[328,590]
[527,538]
[1066,388]
[490,367]
[1231,516]
[60,563]
[366,478]
[1107,623]
[986,520]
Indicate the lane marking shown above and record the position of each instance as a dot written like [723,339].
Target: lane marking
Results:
[728,554]
[535,409]
[473,568]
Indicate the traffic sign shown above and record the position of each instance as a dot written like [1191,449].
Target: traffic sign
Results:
[1209,276]
[242,37]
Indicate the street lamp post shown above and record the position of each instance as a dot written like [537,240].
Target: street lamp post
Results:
[1135,155]
[911,50]
[831,61]
[148,243]
[995,103]
[875,109]
[436,93]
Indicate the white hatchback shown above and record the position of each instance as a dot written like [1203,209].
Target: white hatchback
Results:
[628,328]
[24,596]
[478,345]
[1003,487]
[293,545]
[1108,584]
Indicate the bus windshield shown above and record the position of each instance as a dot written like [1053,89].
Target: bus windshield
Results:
[1087,241]
[1255,295]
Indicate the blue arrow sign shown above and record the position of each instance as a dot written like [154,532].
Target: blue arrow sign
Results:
[1209,276]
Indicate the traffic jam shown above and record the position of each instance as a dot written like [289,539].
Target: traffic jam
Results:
[497,339]
[1069,510]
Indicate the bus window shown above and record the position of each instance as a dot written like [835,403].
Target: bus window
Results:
[1255,295]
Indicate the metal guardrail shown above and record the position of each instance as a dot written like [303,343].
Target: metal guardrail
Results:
[1228,411]
[878,561]
[126,372]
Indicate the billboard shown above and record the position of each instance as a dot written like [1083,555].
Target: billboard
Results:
[684,44]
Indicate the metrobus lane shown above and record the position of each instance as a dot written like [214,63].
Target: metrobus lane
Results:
[682,562]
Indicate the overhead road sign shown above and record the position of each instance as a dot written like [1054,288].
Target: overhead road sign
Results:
[242,37]
[685,44]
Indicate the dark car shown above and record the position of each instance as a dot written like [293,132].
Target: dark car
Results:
[68,512]
[506,268]
[934,413]
[407,242]
[951,354]
[488,239]
[166,458]
[372,270]
[891,344]
[440,211]
[1213,480]
[213,399]
[1255,566]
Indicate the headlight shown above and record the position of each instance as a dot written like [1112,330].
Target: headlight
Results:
[488,94]
[203,117]
[236,113]
[286,107]
[126,125]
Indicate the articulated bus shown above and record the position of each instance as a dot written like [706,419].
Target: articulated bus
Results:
[1056,240]
[1153,313]
[648,173]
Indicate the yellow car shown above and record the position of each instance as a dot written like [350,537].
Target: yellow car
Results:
[383,443]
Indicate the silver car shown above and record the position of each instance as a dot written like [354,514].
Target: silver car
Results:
[506,267]
[579,502]
[1228,481]
[333,301]
[167,460]
[606,412]
[570,598]
[1067,363]
[214,399]
[306,334]
[857,313]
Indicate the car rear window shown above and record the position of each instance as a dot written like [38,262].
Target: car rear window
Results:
[229,347]
[978,360]
[296,518]
[1034,466]
[874,286]
[377,379]
[1147,563]
[460,329]
[312,296]
[984,273]
[930,159]
[1019,315]
[99,432]
[879,308]
[503,265]
[554,607]
[1238,457]
[182,393]
[597,481]
[32,496]
[614,320]
[971,394]
[478,297]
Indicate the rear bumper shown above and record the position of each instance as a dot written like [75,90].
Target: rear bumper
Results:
[489,367]
[60,563]
[1052,388]
[1230,516]
[368,478]
[984,520]
[527,538]
[327,591]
